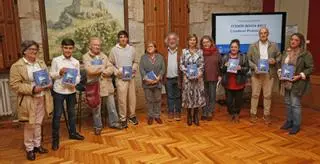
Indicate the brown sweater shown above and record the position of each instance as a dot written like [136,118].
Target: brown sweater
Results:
[211,67]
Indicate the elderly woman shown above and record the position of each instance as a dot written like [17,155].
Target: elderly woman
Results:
[33,101]
[301,60]
[234,82]
[152,68]
[191,64]
[212,61]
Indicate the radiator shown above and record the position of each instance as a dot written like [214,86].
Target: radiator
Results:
[5,104]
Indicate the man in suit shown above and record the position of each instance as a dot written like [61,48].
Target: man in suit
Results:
[267,50]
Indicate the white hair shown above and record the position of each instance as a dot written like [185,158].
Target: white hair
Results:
[171,34]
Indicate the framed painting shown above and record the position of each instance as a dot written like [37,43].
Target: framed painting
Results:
[80,20]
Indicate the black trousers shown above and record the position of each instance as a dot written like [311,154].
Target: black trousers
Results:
[234,101]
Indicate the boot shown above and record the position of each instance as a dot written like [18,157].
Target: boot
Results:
[189,117]
[196,117]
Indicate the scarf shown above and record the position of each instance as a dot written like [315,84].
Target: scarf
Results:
[209,51]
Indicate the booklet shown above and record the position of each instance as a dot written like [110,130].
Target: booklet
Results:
[151,75]
[233,63]
[70,76]
[192,71]
[126,72]
[287,72]
[263,66]
[96,62]
[42,78]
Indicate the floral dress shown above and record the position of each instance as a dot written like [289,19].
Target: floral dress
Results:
[193,95]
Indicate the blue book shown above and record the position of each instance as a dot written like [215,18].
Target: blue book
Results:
[70,76]
[233,63]
[192,71]
[126,72]
[263,66]
[151,75]
[96,62]
[42,78]
[287,72]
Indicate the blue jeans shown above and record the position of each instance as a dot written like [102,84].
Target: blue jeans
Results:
[109,105]
[58,100]
[173,95]
[210,88]
[293,104]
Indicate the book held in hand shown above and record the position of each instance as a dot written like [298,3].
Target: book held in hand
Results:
[126,72]
[96,62]
[41,78]
[70,76]
[192,71]
[287,72]
[263,66]
[151,75]
[233,63]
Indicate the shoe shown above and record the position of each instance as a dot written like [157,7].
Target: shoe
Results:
[177,116]
[287,125]
[267,119]
[253,118]
[117,126]
[203,118]
[133,121]
[55,145]
[158,120]
[196,117]
[150,121]
[170,116]
[97,131]
[124,124]
[231,118]
[40,150]
[31,156]
[189,117]
[295,129]
[236,118]
[76,136]
[210,117]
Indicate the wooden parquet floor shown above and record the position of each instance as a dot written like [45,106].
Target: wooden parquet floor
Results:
[219,141]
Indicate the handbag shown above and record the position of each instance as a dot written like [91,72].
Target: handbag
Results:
[93,94]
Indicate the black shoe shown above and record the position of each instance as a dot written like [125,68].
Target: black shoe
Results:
[76,136]
[117,126]
[189,117]
[40,150]
[158,120]
[97,131]
[294,130]
[196,117]
[55,146]
[31,156]
[133,121]
[124,124]
[203,118]
[287,125]
[150,121]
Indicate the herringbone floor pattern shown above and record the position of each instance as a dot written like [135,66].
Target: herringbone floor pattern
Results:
[219,141]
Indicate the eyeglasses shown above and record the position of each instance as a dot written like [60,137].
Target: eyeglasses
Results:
[33,49]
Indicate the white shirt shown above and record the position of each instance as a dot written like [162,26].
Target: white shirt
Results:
[263,47]
[33,67]
[172,69]
[57,64]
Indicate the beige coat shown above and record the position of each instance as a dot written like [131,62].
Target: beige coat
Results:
[103,73]
[22,85]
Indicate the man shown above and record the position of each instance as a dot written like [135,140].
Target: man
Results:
[64,92]
[123,56]
[98,68]
[262,49]
[173,77]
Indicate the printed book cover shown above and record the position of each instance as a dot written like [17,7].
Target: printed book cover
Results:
[151,75]
[96,62]
[233,63]
[287,72]
[126,72]
[70,76]
[192,71]
[42,78]
[263,66]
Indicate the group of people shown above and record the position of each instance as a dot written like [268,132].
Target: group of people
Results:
[190,77]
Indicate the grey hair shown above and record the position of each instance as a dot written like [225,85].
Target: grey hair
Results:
[264,27]
[171,34]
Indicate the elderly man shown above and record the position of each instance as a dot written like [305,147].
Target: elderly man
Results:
[98,68]
[173,76]
[262,50]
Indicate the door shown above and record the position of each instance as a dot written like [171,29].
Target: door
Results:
[9,33]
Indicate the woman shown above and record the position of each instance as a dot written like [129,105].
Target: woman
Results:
[33,101]
[234,82]
[293,90]
[212,60]
[191,64]
[152,68]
